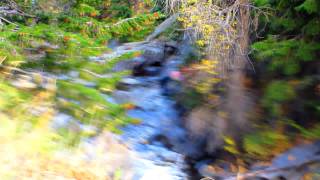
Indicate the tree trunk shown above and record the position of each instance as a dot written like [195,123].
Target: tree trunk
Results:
[238,102]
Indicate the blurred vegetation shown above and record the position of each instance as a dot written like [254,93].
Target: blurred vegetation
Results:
[46,40]
[52,38]
[49,40]
[283,78]
[288,68]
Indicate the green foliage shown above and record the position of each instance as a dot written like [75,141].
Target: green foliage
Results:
[11,97]
[136,28]
[290,43]
[61,38]
[106,67]
[310,6]
[93,3]
[261,2]
[230,145]
[120,9]
[278,92]
[90,107]
[313,27]
[190,98]
[287,58]
[109,84]
[86,10]
[264,144]
[10,53]
[312,133]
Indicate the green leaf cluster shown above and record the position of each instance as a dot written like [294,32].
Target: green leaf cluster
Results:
[287,61]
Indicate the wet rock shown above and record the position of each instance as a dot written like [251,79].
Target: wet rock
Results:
[113,44]
[298,155]
[217,170]
[291,165]
[127,83]
[170,156]
[294,163]
[106,151]
[43,45]
[191,147]
[73,74]
[153,53]
[130,81]
[187,50]
[38,110]
[204,125]
[24,84]
[146,70]
[160,140]
[173,44]
[128,64]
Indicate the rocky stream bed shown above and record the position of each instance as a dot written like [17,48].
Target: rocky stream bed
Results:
[160,147]
[153,148]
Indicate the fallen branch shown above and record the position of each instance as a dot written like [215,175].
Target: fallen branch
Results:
[264,173]
[168,23]
[4,19]
[15,69]
[3,59]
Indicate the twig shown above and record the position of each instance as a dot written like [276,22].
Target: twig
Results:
[120,22]
[97,75]
[3,59]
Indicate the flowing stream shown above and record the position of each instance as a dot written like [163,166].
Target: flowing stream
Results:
[155,147]
[154,141]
